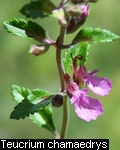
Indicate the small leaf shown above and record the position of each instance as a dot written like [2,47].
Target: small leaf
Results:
[43,118]
[67,61]
[78,49]
[41,93]
[94,35]
[19,93]
[14,26]
[40,99]
[26,29]
[38,94]
[38,8]
[22,110]
[42,103]
[25,108]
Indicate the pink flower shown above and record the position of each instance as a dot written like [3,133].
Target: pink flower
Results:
[100,86]
[86,108]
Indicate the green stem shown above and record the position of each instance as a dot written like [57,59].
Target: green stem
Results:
[59,43]
[65,118]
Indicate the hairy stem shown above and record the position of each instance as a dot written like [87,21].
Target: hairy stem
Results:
[65,118]
[59,43]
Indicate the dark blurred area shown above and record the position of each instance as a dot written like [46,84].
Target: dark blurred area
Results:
[18,66]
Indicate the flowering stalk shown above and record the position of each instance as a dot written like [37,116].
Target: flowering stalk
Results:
[63,87]
[75,80]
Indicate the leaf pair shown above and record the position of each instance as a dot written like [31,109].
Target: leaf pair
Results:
[31,29]
[79,45]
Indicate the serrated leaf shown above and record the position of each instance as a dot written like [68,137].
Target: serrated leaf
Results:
[43,117]
[22,110]
[67,61]
[25,108]
[41,93]
[25,29]
[19,93]
[13,26]
[94,35]
[80,49]
[38,94]
[38,8]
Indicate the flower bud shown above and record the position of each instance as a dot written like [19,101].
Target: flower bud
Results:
[79,71]
[57,100]
[60,15]
[72,10]
[82,1]
[75,22]
[38,50]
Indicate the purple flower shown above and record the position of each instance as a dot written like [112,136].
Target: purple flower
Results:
[100,86]
[86,108]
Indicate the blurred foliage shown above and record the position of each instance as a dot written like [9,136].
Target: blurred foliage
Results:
[18,66]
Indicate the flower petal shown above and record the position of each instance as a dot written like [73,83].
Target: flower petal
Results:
[88,108]
[100,86]
[78,95]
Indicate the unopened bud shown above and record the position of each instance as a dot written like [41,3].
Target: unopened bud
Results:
[57,100]
[38,50]
[72,10]
[83,1]
[76,22]
[60,15]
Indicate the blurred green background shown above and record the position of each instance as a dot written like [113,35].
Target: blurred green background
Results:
[19,67]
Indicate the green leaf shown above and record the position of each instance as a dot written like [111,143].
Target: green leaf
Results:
[43,118]
[80,49]
[25,29]
[38,94]
[19,93]
[25,108]
[22,110]
[94,35]
[40,99]
[41,93]
[38,8]
[14,26]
